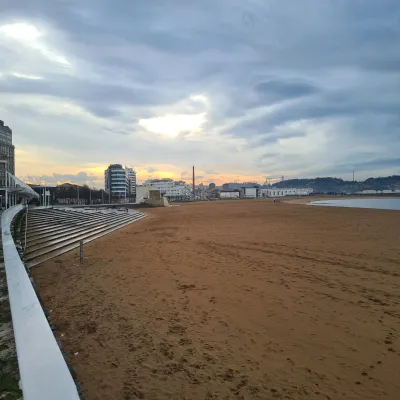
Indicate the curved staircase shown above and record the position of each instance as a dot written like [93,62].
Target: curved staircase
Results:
[54,231]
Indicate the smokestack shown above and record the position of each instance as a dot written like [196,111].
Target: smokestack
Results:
[194,190]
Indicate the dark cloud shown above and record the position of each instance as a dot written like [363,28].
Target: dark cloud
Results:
[101,99]
[273,137]
[367,114]
[390,166]
[275,90]
[371,164]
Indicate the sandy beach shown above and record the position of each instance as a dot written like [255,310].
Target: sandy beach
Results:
[234,300]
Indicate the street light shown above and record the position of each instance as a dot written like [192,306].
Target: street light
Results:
[46,199]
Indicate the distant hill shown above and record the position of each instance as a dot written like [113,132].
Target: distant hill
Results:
[337,185]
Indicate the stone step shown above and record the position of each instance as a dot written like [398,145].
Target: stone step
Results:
[54,232]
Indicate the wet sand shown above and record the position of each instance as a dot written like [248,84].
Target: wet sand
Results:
[234,300]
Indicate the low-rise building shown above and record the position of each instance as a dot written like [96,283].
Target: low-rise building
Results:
[249,192]
[237,185]
[146,192]
[174,190]
[279,192]
[229,194]
[385,191]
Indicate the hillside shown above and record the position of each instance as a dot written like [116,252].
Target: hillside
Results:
[337,185]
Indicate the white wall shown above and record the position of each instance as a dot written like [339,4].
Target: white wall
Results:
[229,195]
[250,193]
[142,192]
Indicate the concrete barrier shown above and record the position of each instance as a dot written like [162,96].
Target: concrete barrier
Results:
[43,370]
[163,202]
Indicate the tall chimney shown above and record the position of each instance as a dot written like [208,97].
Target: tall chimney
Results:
[194,188]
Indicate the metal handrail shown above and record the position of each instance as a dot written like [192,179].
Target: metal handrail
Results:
[26,226]
[43,370]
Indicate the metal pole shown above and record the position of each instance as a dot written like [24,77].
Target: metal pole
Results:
[102,196]
[81,251]
[26,226]
[90,196]
[44,193]
[77,188]
[194,190]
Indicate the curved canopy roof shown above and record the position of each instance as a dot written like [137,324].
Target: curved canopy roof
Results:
[18,187]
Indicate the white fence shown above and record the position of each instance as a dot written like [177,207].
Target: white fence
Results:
[43,370]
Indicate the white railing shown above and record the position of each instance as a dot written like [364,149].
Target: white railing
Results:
[43,370]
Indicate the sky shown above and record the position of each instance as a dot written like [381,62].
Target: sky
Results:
[245,90]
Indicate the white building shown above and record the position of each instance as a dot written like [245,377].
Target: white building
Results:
[277,192]
[146,192]
[174,190]
[130,172]
[229,194]
[116,181]
[249,192]
[385,191]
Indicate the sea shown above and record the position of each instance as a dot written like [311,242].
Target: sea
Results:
[381,204]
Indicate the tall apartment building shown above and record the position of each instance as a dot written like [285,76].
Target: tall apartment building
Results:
[116,181]
[131,182]
[7,153]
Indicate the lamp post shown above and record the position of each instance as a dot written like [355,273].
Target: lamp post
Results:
[45,200]
[45,192]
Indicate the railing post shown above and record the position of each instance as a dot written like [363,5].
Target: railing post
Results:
[26,226]
[81,253]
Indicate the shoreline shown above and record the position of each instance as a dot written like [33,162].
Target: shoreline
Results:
[304,200]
